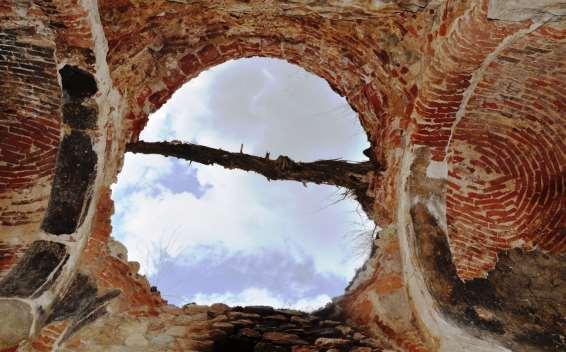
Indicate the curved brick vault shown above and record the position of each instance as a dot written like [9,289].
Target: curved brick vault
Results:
[463,103]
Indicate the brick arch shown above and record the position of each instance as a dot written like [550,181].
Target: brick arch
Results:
[369,96]
[152,57]
[365,98]
[158,46]
[492,203]
[506,178]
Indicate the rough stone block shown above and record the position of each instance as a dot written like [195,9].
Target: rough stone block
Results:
[16,323]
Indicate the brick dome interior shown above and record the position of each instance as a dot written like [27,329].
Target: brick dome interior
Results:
[464,105]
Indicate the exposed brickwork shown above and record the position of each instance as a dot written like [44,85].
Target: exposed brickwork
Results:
[343,60]
[507,183]
[69,21]
[9,255]
[350,50]
[459,47]
[112,273]
[29,123]
[49,336]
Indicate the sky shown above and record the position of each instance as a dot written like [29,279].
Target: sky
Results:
[204,234]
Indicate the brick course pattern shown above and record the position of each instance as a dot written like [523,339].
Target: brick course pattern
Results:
[29,123]
[503,190]
[506,181]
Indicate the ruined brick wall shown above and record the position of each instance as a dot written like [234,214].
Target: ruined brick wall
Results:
[481,111]
[462,101]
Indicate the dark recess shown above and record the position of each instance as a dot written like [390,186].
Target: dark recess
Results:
[81,294]
[268,347]
[522,295]
[234,343]
[80,117]
[74,174]
[33,270]
[521,303]
[76,161]
[80,304]
[77,84]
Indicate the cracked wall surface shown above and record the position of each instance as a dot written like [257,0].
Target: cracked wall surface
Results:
[463,103]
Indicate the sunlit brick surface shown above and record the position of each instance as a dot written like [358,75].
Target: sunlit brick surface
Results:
[507,182]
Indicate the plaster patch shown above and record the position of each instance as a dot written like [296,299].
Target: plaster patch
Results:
[437,208]
[521,10]
[437,169]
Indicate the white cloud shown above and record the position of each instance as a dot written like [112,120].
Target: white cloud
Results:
[243,212]
[152,220]
[259,296]
[142,171]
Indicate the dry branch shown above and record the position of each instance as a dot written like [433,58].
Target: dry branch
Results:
[330,172]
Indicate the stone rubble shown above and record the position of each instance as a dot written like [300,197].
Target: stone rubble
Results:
[219,328]
[261,328]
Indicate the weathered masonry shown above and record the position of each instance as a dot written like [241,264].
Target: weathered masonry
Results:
[463,102]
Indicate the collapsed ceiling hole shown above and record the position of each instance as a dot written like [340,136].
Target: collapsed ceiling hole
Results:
[290,245]
[77,83]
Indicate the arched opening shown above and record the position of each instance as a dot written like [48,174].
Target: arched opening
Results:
[205,234]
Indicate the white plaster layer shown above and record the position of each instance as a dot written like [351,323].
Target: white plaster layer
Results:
[521,10]
[437,169]
[442,335]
